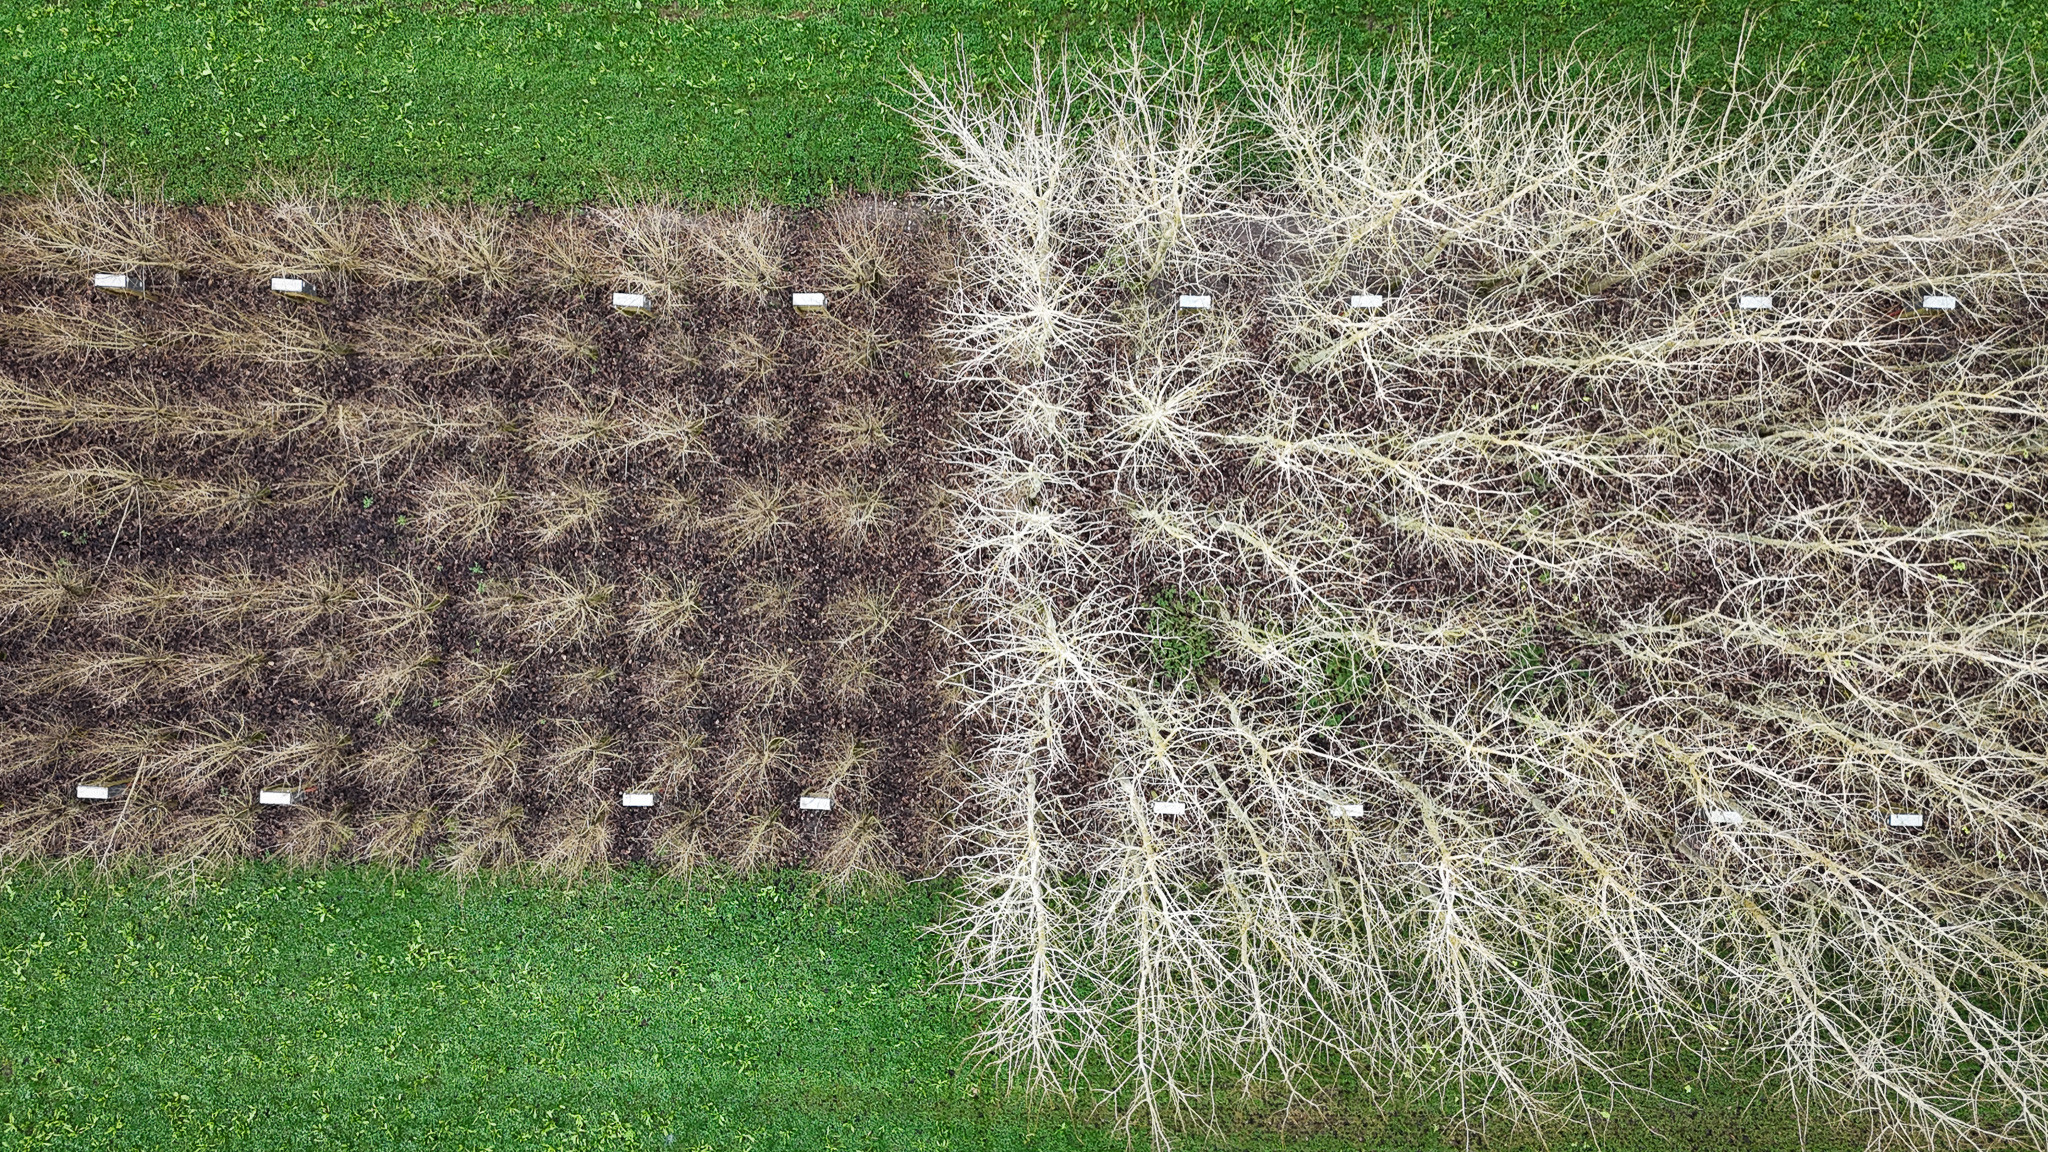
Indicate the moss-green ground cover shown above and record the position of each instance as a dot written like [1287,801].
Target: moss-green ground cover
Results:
[719,100]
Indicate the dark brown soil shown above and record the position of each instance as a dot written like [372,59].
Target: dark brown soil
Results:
[639,545]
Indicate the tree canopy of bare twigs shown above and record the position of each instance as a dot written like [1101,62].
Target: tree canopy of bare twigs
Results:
[1568,635]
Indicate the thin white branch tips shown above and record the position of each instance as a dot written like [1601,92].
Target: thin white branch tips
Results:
[1347,811]
[293,288]
[1728,817]
[1938,303]
[1905,820]
[107,791]
[633,303]
[1194,303]
[814,804]
[1169,808]
[807,301]
[1367,302]
[125,283]
[1754,303]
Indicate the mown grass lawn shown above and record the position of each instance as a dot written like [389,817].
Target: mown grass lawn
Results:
[351,1010]
[561,101]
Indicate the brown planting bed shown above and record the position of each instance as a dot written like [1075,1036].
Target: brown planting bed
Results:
[429,545]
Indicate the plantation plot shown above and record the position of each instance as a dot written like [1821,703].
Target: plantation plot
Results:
[457,563]
[1498,696]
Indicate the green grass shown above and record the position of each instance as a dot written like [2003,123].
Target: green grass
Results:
[557,102]
[351,1010]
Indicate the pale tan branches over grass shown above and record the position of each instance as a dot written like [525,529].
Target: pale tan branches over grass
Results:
[858,856]
[314,837]
[487,843]
[648,248]
[443,245]
[742,253]
[291,227]
[576,840]
[43,828]
[865,247]
[683,843]
[398,837]
[761,841]
[77,226]
[208,837]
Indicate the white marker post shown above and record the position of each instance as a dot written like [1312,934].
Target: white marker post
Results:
[814,804]
[1194,304]
[807,301]
[1938,303]
[1367,302]
[1905,820]
[1754,303]
[632,303]
[283,794]
[636,799]
[1725,817]
[105,790]
[1169,808]
[1347,811]
[292,288]
[120,283]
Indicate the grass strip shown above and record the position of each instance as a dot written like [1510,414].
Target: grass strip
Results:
[559,103]
[352,1009]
